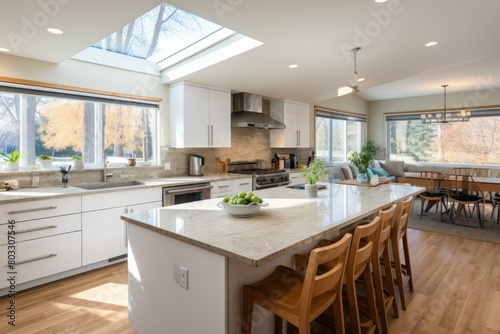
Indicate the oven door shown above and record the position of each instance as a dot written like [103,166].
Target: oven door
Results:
[186,194]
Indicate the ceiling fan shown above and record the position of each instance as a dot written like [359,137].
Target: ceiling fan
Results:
[354,87]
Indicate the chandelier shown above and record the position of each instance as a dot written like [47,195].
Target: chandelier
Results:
[446,116]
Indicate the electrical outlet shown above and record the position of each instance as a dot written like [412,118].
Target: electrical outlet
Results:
[167,165]
[183,277]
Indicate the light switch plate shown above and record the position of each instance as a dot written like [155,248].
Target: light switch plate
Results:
[183,277]
[167,165]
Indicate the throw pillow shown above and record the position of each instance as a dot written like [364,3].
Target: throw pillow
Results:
[394,167]
[354,171]
[375,164]
[346,173]
[379,171]
[370,173]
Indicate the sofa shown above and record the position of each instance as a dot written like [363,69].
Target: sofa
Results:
[393,170]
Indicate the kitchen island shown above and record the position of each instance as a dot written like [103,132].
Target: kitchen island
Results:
[221,253]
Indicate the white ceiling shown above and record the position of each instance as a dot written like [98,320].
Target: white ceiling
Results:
[312,34]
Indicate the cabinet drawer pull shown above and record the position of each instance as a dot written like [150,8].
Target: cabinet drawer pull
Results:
[31,210]
[36,229]
[244,184]
[36,259]
[224,186]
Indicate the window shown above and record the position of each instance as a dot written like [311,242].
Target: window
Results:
[337,134]
[472,142]
[176,42]
[60,125]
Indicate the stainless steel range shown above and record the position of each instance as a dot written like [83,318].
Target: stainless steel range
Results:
[262,178]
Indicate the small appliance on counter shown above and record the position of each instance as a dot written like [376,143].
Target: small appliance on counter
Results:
[195,163]
[283,160]
[292,162]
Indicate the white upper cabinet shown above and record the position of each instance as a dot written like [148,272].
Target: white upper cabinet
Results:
[296,117]
[199,116]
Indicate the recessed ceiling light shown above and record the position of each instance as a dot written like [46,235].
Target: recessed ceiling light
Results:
[380,0]
[55,31]
[4,50]
[361,79]
[431,43]
[293,66]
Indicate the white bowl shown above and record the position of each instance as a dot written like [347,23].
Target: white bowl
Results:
[248,210]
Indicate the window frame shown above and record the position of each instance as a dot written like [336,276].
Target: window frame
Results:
[333,114]
[34,88]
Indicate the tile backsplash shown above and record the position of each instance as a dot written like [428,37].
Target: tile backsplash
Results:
[246,144]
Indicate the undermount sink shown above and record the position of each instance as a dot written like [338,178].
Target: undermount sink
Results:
[110,185]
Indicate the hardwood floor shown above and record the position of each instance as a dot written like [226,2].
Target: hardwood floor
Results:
[93,302]
[457,290]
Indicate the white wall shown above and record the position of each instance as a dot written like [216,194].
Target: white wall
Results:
[350,103]
[91,76]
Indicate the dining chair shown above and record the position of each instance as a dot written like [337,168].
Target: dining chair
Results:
[399,238]
[463,192]
[460,171]
[495,201]
[297,298]
[434,194]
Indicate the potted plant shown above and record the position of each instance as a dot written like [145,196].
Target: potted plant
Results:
[362,160]
[12,160]
[46,161]
[314,173]
[77,162]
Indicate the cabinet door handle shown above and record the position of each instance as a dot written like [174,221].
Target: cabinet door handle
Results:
[208,133]
[31,210]
[298,135]
[212,135]
[36,259]
[36,229]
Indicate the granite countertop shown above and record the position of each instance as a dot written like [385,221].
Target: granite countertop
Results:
[30,194]
[290,221]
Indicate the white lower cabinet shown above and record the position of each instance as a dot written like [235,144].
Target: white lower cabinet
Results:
[42,257]
[47,238]
[296,178]
[240,185]
[221,188]
[104,234]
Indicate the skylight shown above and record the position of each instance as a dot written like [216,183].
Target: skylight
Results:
[169,36]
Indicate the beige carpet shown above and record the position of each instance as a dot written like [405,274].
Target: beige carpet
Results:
[431,222]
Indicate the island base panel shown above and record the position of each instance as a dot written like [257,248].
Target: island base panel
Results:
[157,302]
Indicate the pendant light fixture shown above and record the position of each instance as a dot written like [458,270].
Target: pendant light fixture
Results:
[446,116]
[354,87]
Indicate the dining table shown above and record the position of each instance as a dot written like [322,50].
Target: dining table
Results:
[485,184]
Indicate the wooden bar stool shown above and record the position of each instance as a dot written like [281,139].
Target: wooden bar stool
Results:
[362,317]
[297,298]
[385,291]
[399,236]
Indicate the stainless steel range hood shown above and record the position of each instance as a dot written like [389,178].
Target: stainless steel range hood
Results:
[247,112]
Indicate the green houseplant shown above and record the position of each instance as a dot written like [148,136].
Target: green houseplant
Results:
[362,159]
[46,161]
[313,174]
[12,160]
[77,162]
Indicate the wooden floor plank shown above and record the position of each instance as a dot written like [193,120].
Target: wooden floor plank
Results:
[457,290]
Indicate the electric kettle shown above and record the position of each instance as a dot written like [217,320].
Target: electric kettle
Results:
[195,163]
